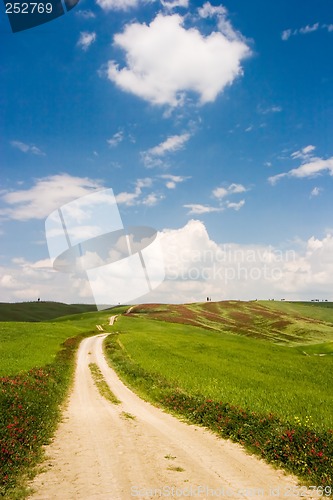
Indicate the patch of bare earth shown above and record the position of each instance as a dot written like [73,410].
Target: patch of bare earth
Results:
[135,450]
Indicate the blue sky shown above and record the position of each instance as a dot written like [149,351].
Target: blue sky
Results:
[211,122]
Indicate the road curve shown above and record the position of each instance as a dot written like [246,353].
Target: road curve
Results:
[134,450]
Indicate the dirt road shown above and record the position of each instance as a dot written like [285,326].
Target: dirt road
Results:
[134,450]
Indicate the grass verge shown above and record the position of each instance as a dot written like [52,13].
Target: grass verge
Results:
[30,403]
[101,384]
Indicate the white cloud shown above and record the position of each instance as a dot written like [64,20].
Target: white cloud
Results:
[286,34]
[45,196]
[116,139]
[273,179]
[224,25]
[172,4]
[309,28]
[126,198]
[136,197]
[172,143]
[236,206]
[209,10]
[173,180]
[144,183]
[311,166]
[164,61]
[304,153]
[86,14]
[86,39]
[196,267]
[27,148]
[25,280]
[222,192]
[117,4]
[197,209]
[271,109]
[315,192]
[152,199]
[151,157]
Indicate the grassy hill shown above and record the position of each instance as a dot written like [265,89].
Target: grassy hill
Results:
[260,373]
[245,353]
[289,323]
[40,311]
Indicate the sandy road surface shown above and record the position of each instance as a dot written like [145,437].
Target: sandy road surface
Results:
[100,453]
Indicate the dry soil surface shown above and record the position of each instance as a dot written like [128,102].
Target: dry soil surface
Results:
[135,450]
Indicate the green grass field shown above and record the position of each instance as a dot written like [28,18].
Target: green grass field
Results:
[257,372]
[240,370]
[26,345]
[279,322]
[40,311]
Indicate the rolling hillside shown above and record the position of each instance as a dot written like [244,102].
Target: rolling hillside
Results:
[40,311]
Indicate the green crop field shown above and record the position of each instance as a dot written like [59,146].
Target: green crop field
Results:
[258,372]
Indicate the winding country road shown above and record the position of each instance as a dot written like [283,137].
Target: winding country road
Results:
[134,450]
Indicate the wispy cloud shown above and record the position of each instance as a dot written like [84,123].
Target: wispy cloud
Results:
[172,4]
[236,206]
[222,192]
[315,192]
[47,194]
[304,153]
[173,180]
[152,199]
[124,5]
[309,28]
[224,25]
[137,196]
[117,4]
[311,166]
[271,109]
[209,10]
[116,139]
[86,14]
[197,209]
[152,157]
[86,39]
[27,148]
